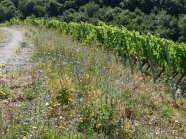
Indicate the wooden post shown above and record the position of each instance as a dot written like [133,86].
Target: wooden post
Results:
[172,84]
[103,35]
[103,43]
[120,52]
[138,55]
[168,59]
[151,61]
[114,50]
[128,53]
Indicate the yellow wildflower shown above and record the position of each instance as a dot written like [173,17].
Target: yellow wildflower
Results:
[70,99]
[34,127]
[50,107]
[81,119]
[24,137]
[61,127]
[98,125]
[6,102]
[10,109]
[57,104]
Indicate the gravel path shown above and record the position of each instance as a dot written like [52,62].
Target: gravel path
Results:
[11,54]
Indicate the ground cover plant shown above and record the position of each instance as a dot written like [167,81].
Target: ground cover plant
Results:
[80,91]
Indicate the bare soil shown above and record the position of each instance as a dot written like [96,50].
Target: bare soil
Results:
[15,65]
[12,55]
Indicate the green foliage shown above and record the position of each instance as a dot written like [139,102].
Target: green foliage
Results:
[54,8]
[182,27]
[159,17]
[90,9]
[29,94]
[63,96]
[7,10]
[114,36]
[39,11]
[167,111]
[4,92]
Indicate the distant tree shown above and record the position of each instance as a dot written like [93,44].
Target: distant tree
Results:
[146,6]
[82,2]
[2,13]
[8,10]
[27,7]
[182,28]
[111,14]
[163,24]
[39,11]
[90,9]
[68,15]
[100,14]
[174,32]
[174,7]
[16,3]
[111,2]
[70,5]
[129,4]
[54,8]
[80,16]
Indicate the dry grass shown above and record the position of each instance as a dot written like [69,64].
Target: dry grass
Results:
[3,36]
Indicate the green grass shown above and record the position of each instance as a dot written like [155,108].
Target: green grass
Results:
[80,91]
[4,93]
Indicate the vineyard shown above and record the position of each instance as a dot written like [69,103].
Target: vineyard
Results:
[80,80]
[160,55]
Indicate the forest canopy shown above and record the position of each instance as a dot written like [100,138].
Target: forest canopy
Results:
[164,18]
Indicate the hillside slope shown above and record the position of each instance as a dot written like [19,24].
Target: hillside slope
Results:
[80,91]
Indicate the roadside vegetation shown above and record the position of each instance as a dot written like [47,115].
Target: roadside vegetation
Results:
[2,36]
[80,91]
[64,82]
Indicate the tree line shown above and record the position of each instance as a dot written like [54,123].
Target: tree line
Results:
[164,18]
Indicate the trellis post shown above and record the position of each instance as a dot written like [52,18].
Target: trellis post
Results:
[128,53]
[138,54]
[151,61]
[172,84]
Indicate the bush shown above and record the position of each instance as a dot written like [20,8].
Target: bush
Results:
[29,94]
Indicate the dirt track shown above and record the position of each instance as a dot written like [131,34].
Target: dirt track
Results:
[12,55]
